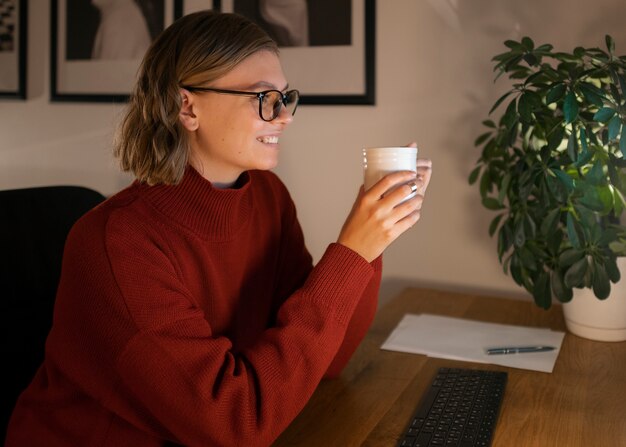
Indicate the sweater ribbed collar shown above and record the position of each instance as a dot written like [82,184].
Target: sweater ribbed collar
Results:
[212,213]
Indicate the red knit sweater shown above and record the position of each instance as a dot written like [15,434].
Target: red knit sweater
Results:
[192,315]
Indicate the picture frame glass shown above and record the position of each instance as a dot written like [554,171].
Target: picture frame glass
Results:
[332,63]
[12,48]
[329,64]
[96,53]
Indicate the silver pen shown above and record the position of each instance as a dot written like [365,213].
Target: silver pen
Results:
[518,349]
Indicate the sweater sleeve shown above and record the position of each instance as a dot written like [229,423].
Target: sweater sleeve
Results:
[296,265]
[359,323]
[178,380]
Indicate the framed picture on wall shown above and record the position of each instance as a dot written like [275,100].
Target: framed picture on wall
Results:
[327,46]
[97,45]
[13,32]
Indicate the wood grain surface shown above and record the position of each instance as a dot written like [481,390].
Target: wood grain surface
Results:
[581,403]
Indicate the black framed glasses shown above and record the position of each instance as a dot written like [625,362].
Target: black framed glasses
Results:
[271,102]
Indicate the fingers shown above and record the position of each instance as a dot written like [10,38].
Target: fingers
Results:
[424,169]
[388,182]
[407,208]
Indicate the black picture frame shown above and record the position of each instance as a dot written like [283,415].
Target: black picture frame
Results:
[75,74]
[313,69]
[13,61]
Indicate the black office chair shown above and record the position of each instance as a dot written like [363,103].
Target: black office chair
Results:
[34,223]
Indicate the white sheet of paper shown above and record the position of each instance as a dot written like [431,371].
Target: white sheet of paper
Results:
[462,339]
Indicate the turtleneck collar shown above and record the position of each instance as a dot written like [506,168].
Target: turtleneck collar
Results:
[212,213]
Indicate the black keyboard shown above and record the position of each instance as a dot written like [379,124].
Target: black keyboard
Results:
[460,408]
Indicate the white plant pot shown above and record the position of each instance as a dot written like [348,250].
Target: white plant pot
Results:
[603,320]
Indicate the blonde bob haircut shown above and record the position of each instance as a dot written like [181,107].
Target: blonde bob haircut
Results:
[195,50]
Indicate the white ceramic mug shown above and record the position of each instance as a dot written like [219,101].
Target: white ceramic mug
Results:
[380,161]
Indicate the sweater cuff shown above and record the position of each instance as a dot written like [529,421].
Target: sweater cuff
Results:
[377,264]
[339,280]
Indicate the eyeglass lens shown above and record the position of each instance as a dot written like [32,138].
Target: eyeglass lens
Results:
[273,102]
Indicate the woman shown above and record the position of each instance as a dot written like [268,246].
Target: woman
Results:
[189,311]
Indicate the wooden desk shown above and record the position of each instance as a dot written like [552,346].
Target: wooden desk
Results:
[581,403]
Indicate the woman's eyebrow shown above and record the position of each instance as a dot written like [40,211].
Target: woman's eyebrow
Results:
[267,85]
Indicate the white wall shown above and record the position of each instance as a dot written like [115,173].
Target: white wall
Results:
[434,85]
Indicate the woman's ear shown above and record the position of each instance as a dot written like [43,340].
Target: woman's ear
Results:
[186,115]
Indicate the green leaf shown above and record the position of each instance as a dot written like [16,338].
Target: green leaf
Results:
[556,137]
[499,101]
[504,187]
[524,108]
[583,139]
[555,93]
[541,291]
[521,72]
[586,219]
[529,261]
[519,235]
[545,48]
[597,198]
[570,256]
[512,135]
[618,202]
[482,138]
[513,63]
[622,83]
[572,146]
[489,124]
[579,52]
[593,139]
[567,181]
[531,59]
[615,125]
[554,241]
[528,43]
[570,107]
[493,226]
[474,175]
[537,78]
[505,238]
[510,116]
[525,185]
[595,175]
[612,270]
[490,149]
[514,45]
[590,94]
[485,183]
[622,141]
[610,43]
[562,293]
[575,275]
[604,114]
[491,204]
[613,87]
[530,227]
[619,248]
[584,158]
[549,224]
[573,231]
[601,283]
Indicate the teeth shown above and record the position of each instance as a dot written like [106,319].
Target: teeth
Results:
[268,140]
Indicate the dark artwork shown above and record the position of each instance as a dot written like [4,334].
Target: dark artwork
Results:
[88,36]
[8,18]
[301,22]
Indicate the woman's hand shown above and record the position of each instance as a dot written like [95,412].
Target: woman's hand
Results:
[377,219]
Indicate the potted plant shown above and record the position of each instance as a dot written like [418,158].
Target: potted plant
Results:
[553,168]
